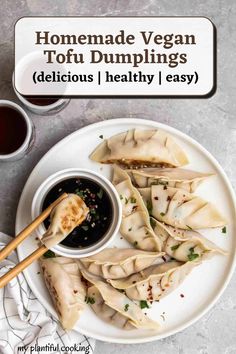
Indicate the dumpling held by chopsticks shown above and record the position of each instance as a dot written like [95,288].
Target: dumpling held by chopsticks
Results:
[67,215]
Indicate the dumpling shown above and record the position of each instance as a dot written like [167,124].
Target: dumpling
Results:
[66,215]
[139,147]
[105,312]
[116,263]
[135,225]
[114,307]
[154,282]
[172,177]
[184,245]
[181,209]
[63,280]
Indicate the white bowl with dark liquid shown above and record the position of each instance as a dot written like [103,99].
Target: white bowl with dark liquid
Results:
[16,131]
[103,220]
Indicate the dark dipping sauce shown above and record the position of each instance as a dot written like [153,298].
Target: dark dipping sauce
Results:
[99,219]
[13,130]
[41,101]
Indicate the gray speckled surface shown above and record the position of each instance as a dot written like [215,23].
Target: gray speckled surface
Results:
[209,121]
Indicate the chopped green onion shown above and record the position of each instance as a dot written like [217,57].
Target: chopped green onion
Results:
[192,256]
[89,300]
[85,227]
[149,206]
[143,304]
[100,193]
[126,307]
[49,254]
[223,230]
[79,193]
[175,247]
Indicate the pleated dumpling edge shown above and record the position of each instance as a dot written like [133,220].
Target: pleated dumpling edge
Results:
[116,308]
[139,148]
[135,225]
[181,209]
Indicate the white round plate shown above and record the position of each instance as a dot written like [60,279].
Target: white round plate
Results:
[201,288]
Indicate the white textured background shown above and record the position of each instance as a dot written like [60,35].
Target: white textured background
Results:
[209,121]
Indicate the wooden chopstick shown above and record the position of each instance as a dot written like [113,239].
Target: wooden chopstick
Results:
[29,229]
[4,280]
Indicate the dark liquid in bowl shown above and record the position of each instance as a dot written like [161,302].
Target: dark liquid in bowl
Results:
[98,221]
[41,101]
[13,130]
